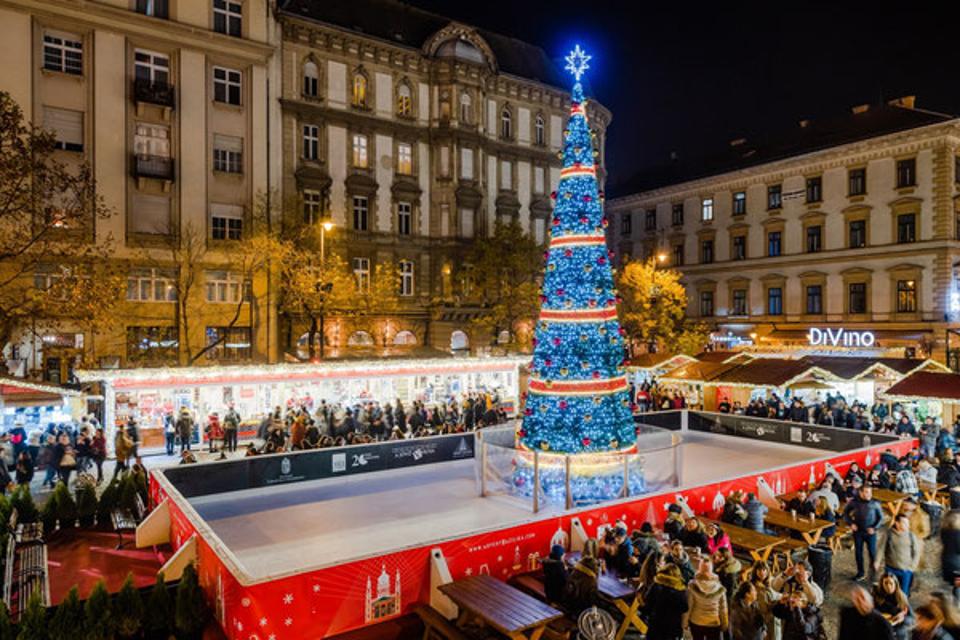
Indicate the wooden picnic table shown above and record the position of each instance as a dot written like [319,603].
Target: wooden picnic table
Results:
[623,595]
[508,610]
[759,545]
[891,500]
[811,530]
[929,490]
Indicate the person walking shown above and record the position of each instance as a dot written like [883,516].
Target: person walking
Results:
[169,432]
[950,550]
[98,451]
[24,468]
[707,615]
[864,515]
[665,604]
[901,551]
[231,426]
[122,446]
[184,429]
[892,603]
[861,620]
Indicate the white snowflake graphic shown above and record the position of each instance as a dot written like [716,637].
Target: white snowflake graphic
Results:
[288,599]
[288,621]
[469,571]
[263,622]
[499,558]
[239,626]
[272,637]
[316,588]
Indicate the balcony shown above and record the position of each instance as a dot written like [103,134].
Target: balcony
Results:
[153,92]
[158,167]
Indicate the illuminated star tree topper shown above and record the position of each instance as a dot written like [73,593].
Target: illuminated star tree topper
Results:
[577,62]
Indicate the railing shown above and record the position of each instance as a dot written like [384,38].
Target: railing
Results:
[146,166]
[153,92]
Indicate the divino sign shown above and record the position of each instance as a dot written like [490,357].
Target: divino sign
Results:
[840,337]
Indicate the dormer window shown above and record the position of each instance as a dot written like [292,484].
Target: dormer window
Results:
[359,96]
[404,100]
[311,80]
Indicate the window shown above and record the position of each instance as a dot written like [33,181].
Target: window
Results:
[906,228]
[858,234]
[152,345]
[227,17]
[226,85]
[151,140]
[814,189]
[626,223]
[155,8]
[406,278]
[226,222]
[360,211]
[404,100]
[857,298]
[706,209]
[63,52]
[678,255]
[404,218]
[311,142]
[650,220]
[814,238]
[231,343]
[506,175]
[67,128]
[539,136]
[361,271]
[906,296]
[224,287]
[150,214]
[706,251]
[150,67]
[312,206]
[814,299]
[466,163]
[706,304]
[151,285]
[676,215]
[227,153]
[466,108]
[404,159]
[739,302]
[360,151]
[773,244]
[775,301]
[906,173]
[539,179]
[774,196]
[739,251]
[506,124]
[467,224]
[857,181]
[359,96]
[739,203]
[311,80]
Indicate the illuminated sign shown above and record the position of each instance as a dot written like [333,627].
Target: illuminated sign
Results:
[840,338]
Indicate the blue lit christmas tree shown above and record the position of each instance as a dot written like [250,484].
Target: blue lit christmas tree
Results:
[577,399]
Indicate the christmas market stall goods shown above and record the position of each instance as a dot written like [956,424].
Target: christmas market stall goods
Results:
[148,395]
[929,393]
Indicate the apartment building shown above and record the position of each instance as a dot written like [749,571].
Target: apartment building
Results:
[847,223]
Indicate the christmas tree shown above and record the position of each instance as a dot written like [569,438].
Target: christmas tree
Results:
[577,399]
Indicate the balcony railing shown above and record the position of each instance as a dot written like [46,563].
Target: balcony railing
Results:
[153,92]
[146,166]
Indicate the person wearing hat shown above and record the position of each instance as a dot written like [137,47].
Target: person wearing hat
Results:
[581,586]
[554,575]
[184,428]
[674,522]
[644,542]
[707,614]
[623,561]
[665,604]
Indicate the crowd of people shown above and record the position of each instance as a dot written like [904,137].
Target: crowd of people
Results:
[691,581]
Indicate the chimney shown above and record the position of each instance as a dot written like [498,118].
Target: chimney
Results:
[804,124]
[738,142]
[906,102]
[860,108]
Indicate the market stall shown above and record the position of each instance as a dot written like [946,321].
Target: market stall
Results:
[648,366]
[37,404]
[928,393]
[148,395]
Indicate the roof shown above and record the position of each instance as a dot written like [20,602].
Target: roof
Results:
[400,23]
[698,372]
[927,385]
[851,368]
[658,360]
[723,356]
[16,392]
[768,372]
[817,135]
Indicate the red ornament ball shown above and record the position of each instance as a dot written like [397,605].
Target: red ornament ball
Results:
[592,302]
[586,442]
[584,220]
[556,342]
[556,222]
[606,223]
[587,198]
[596,375]
[526,412]
[568,252]
[601,260]
[563,404]
[553,194]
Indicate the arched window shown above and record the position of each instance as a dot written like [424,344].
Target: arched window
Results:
[538,130]
[506,123]
[359,98]
[311,80]
[360,339]
[466,108]
[404,100]
[459,341]
[405,338]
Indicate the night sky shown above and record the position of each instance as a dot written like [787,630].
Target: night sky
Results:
[686,78]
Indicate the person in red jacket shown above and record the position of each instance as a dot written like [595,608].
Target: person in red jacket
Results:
[214,430]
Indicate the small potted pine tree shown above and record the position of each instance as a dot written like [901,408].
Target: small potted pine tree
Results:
[98,614]
[23,502]
[159,610]
[68,621]
[190,616]
[108,502]
[86,503]
[33,621]
[66,506]
[50,511]
[128,608]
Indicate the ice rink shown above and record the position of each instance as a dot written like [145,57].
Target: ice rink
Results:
[293,527]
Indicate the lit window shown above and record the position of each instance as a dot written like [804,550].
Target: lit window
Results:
[361,271]
[151,285]
[227,17]
[226,85]
[359,96]
[707,209]
[63,52]
[404,100]
[224,287]
[311,142]
[360,151]
[406,278]
[404,159]
[311,80]
[906,296]
[404,218]
[229,343]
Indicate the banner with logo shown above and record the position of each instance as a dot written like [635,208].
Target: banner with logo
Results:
[317,464]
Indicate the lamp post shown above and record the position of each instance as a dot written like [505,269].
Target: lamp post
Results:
[323,288]
[326,226]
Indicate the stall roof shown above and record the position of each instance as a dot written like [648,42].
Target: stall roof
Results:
[254,374]
[856,368]
[15,392]
[770,372]
[659,360]
[723,356]
[702,372]
[927,385]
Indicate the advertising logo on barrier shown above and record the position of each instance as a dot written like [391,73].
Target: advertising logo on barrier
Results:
[816,437]
[463,450]
[761,430]
[338,462]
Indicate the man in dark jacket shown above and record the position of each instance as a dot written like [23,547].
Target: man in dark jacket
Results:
[644,542]
[861,620]
[950,552]
[554,575]
[665,605]
[864,515]
[756,512]
[184,429]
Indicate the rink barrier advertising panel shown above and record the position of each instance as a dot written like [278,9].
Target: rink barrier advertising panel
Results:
[795,433]
[327,601]
[671,420]
[268,470]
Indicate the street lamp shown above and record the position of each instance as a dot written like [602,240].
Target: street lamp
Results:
[326,226]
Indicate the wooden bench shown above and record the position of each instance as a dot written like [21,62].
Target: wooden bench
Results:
[758,545]
[126,520]
[24,575]
[436,627]
[531,585]
[842,533]
[24,532]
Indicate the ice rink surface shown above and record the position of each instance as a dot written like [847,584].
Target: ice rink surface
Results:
[294,527]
